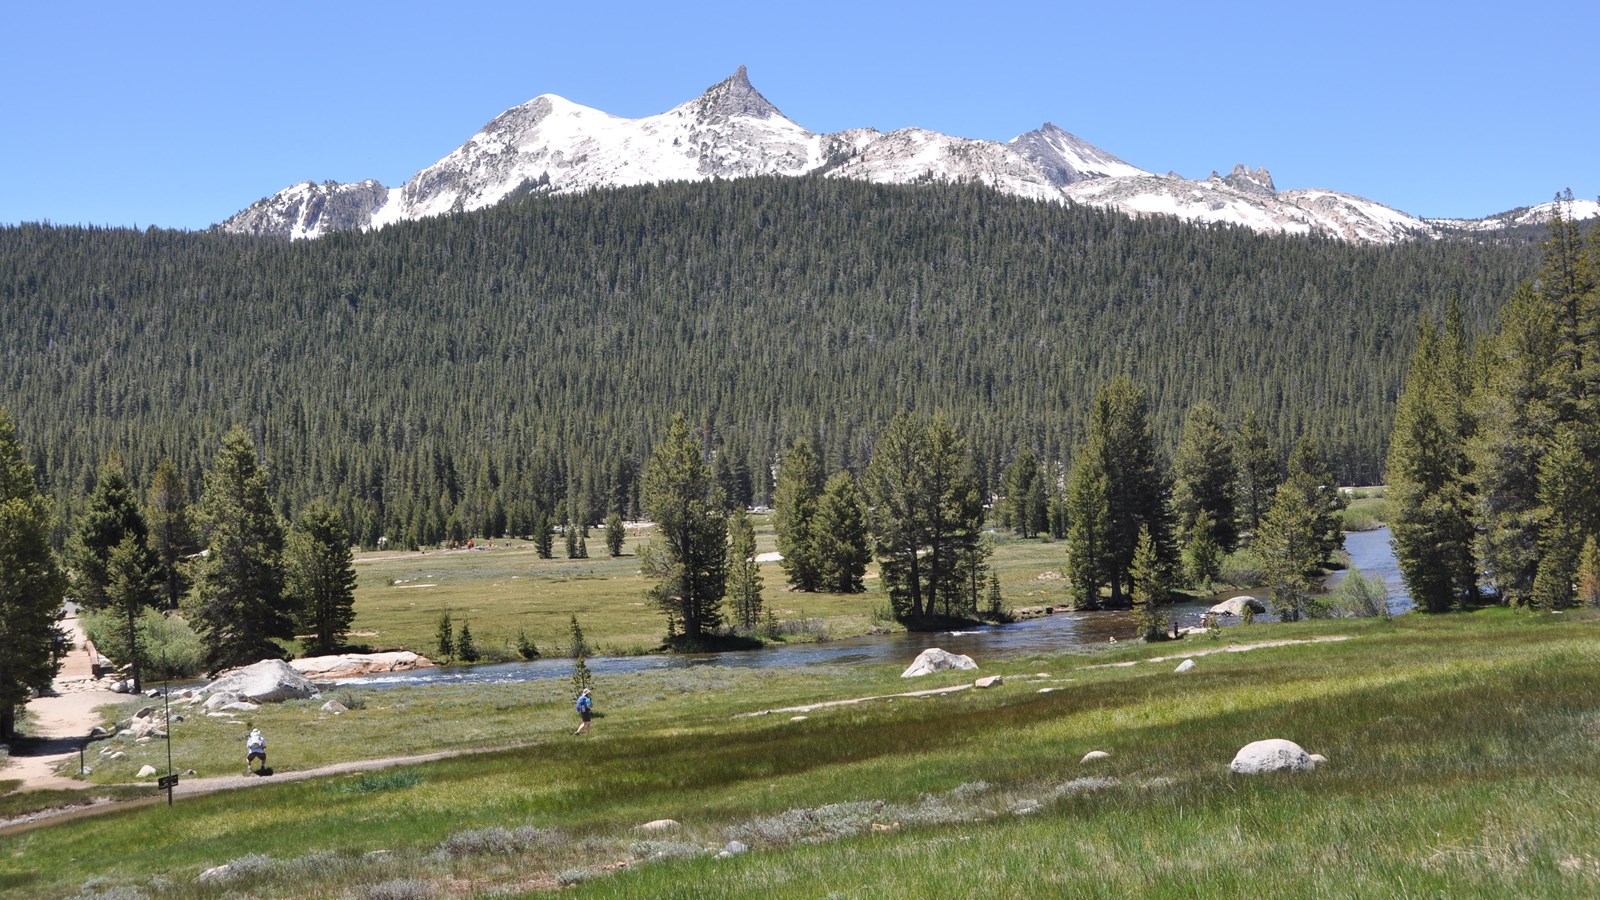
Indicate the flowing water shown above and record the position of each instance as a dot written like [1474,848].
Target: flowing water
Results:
[1369,551]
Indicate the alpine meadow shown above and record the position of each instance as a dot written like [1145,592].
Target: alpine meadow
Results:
[829,428]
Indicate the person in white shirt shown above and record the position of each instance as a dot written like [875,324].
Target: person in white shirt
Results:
[255,747]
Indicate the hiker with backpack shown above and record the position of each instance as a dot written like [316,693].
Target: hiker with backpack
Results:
[585,711]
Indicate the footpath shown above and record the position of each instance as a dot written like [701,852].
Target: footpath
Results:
[59,722]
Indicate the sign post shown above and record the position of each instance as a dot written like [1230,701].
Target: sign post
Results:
[171,780]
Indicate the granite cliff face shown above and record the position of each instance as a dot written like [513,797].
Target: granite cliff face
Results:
[553,145]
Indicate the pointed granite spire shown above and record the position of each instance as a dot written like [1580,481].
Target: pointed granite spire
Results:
[735,97]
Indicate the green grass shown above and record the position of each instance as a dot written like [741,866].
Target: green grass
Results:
[1368,509]
[508,589]
[1463,757]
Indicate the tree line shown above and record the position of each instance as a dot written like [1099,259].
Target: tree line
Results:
[479,374]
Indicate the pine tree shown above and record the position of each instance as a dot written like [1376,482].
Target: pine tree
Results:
[1088,523]
[688,554]
[239,608]
[172,535]
[130,590]
[1516,415]
[577,646]
[1292,545]
[571,535]
[581,677]
[1204,478]
[1150,588]
[1259,471]
[1202,557]
[1038,507]
[1135,483]
[996,604]
[926,515]
[794,502]
[1311,484]
[1020,483]
[466,649]
[543,539]
[615,533]
[1430,506]
[744,573]
[32,584]
[840,543]
[444,638]
[525,647]
[894,483]
[968,577]
[320,576]
[1569,490]
[113,526]
[111,515]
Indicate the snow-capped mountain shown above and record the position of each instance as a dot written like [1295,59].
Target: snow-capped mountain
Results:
[551,144]
[1541,214]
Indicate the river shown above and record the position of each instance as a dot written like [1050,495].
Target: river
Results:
[1369,551]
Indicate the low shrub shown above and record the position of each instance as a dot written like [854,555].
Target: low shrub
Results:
[401,889]
[167,645]
[500,840]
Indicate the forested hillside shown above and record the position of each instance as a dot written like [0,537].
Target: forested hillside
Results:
[456,373]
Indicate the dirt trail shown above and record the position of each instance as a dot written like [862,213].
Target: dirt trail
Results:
[61,720]
[194,787]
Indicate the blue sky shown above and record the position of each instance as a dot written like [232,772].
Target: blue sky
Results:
[178,114]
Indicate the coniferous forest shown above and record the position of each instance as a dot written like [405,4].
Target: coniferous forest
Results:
[478,373]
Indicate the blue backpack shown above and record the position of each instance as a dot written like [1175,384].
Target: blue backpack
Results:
[583,704]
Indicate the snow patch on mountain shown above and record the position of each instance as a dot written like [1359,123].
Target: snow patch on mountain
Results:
[552,145]
[1572,210]
[1065,158]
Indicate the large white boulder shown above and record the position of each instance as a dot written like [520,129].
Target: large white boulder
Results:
[349,665]
[935,660]
[1235,606]
[268,681]
[1275,755]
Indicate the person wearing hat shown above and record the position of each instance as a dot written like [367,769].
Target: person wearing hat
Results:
[255,747]
[585,711]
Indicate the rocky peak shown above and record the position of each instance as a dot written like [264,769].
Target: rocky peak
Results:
[1065,158]
[1250,181]
[521,119]
[732,97]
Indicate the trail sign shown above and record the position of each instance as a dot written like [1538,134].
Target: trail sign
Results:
[167,781]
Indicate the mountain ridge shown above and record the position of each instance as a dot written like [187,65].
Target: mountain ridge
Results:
[554,145]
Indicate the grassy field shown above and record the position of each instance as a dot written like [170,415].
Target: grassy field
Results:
[1463,752]
[507,590]
[1368,509]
